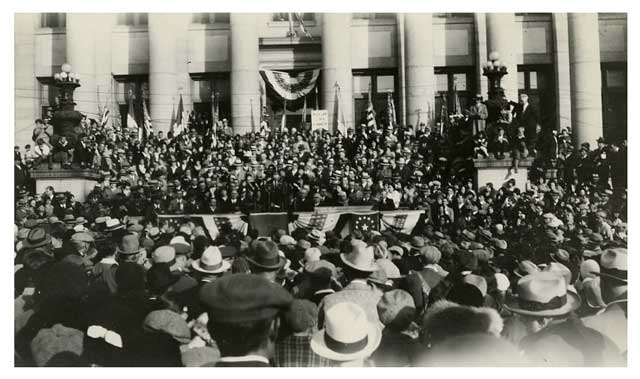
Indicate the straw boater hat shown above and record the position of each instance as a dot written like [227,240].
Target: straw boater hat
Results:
[347,335]
[113,224]
[360,258]
[211,262]
[543,294]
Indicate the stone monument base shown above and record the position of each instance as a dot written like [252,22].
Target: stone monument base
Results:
[496,171]
[79,182]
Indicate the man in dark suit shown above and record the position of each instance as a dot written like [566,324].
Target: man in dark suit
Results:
[527,116]
[243,311]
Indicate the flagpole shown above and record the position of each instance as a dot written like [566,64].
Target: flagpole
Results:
[283,123]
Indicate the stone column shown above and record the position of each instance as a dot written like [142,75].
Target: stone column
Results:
[420,78]
[586,82]
[81,54]
[504,36]
[561,68]
[336,68]
[245,62]
[27,102]
[482,83]
[163,89]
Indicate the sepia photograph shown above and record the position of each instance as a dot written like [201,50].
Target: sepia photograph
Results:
[299,189]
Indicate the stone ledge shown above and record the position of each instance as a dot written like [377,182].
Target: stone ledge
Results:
[500,163]
[60,173]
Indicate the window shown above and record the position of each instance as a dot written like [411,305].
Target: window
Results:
[133,19]
[295,110]
[210,18]
[382,83]
[374,16]
[53,20]
[48,94]
[614,101]
[209,87]
[454,85]
[294,18]
[132,88]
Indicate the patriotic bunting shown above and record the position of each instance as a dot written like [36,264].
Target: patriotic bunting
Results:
[324,222]
[291,87]
[400,221]
[365,222]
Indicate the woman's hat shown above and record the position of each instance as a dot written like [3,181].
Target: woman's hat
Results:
[347,335]
[543,294]
[211,262]
[360,258]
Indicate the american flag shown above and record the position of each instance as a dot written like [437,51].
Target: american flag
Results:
[147,121]
[365,222]
[104,117]
[131,117]
[371,114]
[391,110]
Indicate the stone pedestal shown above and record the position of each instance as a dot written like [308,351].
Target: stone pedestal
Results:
[496,171]
[76,181]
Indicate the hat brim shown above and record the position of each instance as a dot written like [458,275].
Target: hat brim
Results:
[112,229]
[372,268]
[26,244]
[318,345]
[609,276]
[198,267]
[281,263]
[573,303]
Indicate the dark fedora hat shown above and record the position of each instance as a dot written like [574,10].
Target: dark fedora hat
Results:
[265,255]
[37,237]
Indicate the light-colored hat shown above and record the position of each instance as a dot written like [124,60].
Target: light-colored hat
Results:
[390,269]
[561,270]
[477,281]
[502,282]
[211,262]
[525,268]
[287,240]
[113,224]
[181,245]
[613,264]
[347,335]
[315,235]
[312,254]
[82,237]
[589,268]
[360,258]
[543,294]
[163,254]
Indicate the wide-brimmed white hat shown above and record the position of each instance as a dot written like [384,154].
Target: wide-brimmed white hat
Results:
[211,262]
[543,294]
[360,258]
[347,335]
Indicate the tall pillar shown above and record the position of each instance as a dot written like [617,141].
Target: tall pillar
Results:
[482,82]
[420,78]
[561,68]
[81,54]
[336,68]
[504,36]
[27,103]
[163,89]
[245,62]
[586,82]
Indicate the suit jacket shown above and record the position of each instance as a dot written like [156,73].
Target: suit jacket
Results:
[527,118]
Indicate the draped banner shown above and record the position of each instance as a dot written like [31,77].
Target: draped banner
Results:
[212,224]
[343,220]
[291,87]
[310,220]
[399,221]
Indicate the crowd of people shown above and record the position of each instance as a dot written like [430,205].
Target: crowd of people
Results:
[506,274]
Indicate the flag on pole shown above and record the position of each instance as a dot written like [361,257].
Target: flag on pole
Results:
[292,33]
[105,117]
[304,30]
[283,123]
[304,113]
[215,114]
[391,110]
[173,116]
[342,125]
[131,118]
[147,120]
[371,113]
[178,126]
[458,108]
